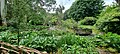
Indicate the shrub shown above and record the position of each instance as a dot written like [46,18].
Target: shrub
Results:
[88,21]
[52,21]
[109,20]
[69,23]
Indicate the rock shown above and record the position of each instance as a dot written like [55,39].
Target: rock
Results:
[83,32]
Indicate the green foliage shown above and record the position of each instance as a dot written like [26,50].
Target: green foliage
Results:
[27,12]
[47,43]
[75,49]
[44,33]
[108,41]
[51,20]
[68,43]
[69,23]
[71,44]
[82,41]
[84,8]
[43,40]
[9,37]
[37,19]
[3,28]
[88,21]
[40,43]
[109,20]
[33,23]
[24,12]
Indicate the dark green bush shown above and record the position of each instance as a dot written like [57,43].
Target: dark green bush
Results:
[88,21]
[109,20]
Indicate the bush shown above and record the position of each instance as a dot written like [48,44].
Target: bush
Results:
[69,23]
[109,20]
[88,21]
[53,20]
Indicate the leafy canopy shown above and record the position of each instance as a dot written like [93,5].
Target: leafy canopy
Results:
[84,8]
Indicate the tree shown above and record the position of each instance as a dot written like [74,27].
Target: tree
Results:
[118,1]
[84,8]
[2,10]
[29,11]
[21,14]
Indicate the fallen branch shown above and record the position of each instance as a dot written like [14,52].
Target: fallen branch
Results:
[17,49]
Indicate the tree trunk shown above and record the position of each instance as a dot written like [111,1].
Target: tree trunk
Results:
[0,14]
[3,10]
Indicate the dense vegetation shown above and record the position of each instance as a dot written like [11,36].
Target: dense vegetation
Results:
[86,28]
[109,20]
[84,8]
[68,43]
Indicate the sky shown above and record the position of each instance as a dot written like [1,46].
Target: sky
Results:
[68,3]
